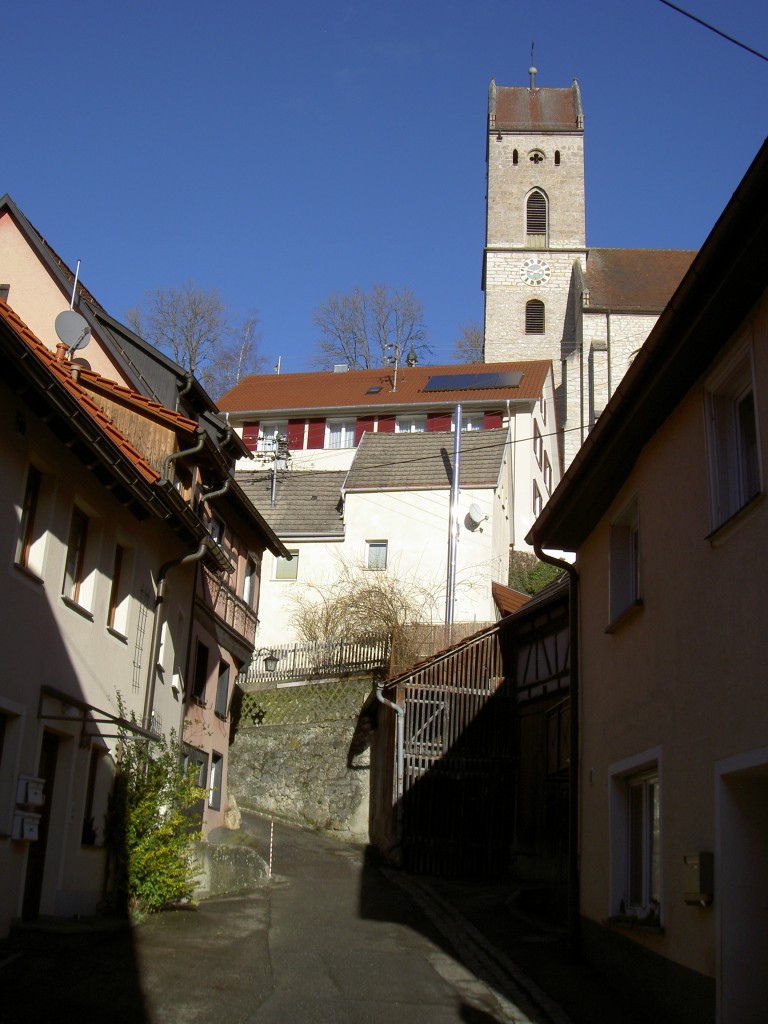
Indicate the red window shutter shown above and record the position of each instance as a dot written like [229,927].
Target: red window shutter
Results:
[363,423]
[491,420]
[295,435]
[438,421]
[386,424]
[316,435]
[251,435]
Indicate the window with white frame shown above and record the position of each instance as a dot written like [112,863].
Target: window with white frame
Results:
[287,569]
[537,502]
[538,443]
[72,586]
[734,461]
[340,434]
[270,434]
[217,774]
[635,843]
[624,554]
[547,470]
[411,424]
[376,554]
[117,613]
[27,524]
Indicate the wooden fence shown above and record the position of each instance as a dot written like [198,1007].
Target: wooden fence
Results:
[309,662]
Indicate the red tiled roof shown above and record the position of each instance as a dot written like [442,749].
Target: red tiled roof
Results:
[537,110]
[635,279]
[63,372]
[93,381]
[350,390]
[508,600]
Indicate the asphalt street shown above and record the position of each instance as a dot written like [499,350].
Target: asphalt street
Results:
[332,938]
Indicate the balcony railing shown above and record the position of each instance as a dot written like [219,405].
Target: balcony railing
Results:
[305,662]
[227,606]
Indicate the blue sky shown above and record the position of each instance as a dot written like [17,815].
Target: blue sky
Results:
[280,152]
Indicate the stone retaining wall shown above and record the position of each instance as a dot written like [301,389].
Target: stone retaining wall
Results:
[312,765]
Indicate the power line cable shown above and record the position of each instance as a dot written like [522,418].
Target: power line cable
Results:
[712,28]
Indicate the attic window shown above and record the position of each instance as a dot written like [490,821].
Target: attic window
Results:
[374,389]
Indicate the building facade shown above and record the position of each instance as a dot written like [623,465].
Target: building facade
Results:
[665,509]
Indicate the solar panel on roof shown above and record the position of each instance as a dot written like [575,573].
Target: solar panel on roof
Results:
[473,381]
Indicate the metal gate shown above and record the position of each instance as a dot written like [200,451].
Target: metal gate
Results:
[458,765]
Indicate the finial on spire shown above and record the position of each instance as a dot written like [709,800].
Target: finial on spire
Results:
[532,70]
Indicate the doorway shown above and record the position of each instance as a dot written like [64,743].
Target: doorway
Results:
[33,884]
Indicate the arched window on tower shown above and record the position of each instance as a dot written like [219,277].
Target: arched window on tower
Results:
[536,220]
[534,317]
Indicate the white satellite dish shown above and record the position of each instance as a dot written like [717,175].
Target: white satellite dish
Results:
[476,515]
[73,330]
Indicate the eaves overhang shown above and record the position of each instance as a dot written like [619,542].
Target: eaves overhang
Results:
[716,294]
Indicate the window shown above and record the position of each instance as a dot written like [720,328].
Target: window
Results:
[200,677]
[538,443]
[643,833]
[534,317]
[732,435]
[536,220]
[624,540]
[250,584]
[285,569]
[411,424]
[537,503]
[376,554]
[222,690]
[557,158]
[340,434]
[197,761]
[214,789]
[271,432]
[90,832]
[216,529]
[547,473]
[74,567]
[117,616]
[28,514]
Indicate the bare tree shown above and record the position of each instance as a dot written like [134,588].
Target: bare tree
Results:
[366,329]
[194,326]
[236,356]
[469,346]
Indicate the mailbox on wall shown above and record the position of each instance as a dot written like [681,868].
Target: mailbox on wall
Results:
[698,878]
[26,826]
[30,791]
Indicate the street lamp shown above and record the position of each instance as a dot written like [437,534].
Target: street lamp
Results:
[271,658]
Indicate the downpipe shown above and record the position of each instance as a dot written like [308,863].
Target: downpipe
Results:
[400,759]
[573,917]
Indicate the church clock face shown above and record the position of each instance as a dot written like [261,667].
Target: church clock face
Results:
[535,271]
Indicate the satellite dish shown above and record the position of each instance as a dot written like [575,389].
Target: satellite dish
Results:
[72,329]
[476,515]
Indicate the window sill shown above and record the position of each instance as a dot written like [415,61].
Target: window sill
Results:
[199,701]
[221,715]
[734,523]
[631,612]
[77,608]
[634,924]
[117,635]
[28,573]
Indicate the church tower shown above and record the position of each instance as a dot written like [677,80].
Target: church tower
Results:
[535,223]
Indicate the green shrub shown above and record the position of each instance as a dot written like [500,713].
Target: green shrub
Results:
[527,574]
[149,824]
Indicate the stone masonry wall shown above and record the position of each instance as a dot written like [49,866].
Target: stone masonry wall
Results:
[308,761]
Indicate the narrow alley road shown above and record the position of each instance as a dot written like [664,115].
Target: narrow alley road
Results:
[333,939]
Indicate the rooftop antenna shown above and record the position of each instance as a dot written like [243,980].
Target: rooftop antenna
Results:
[72,328]
[532,70]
